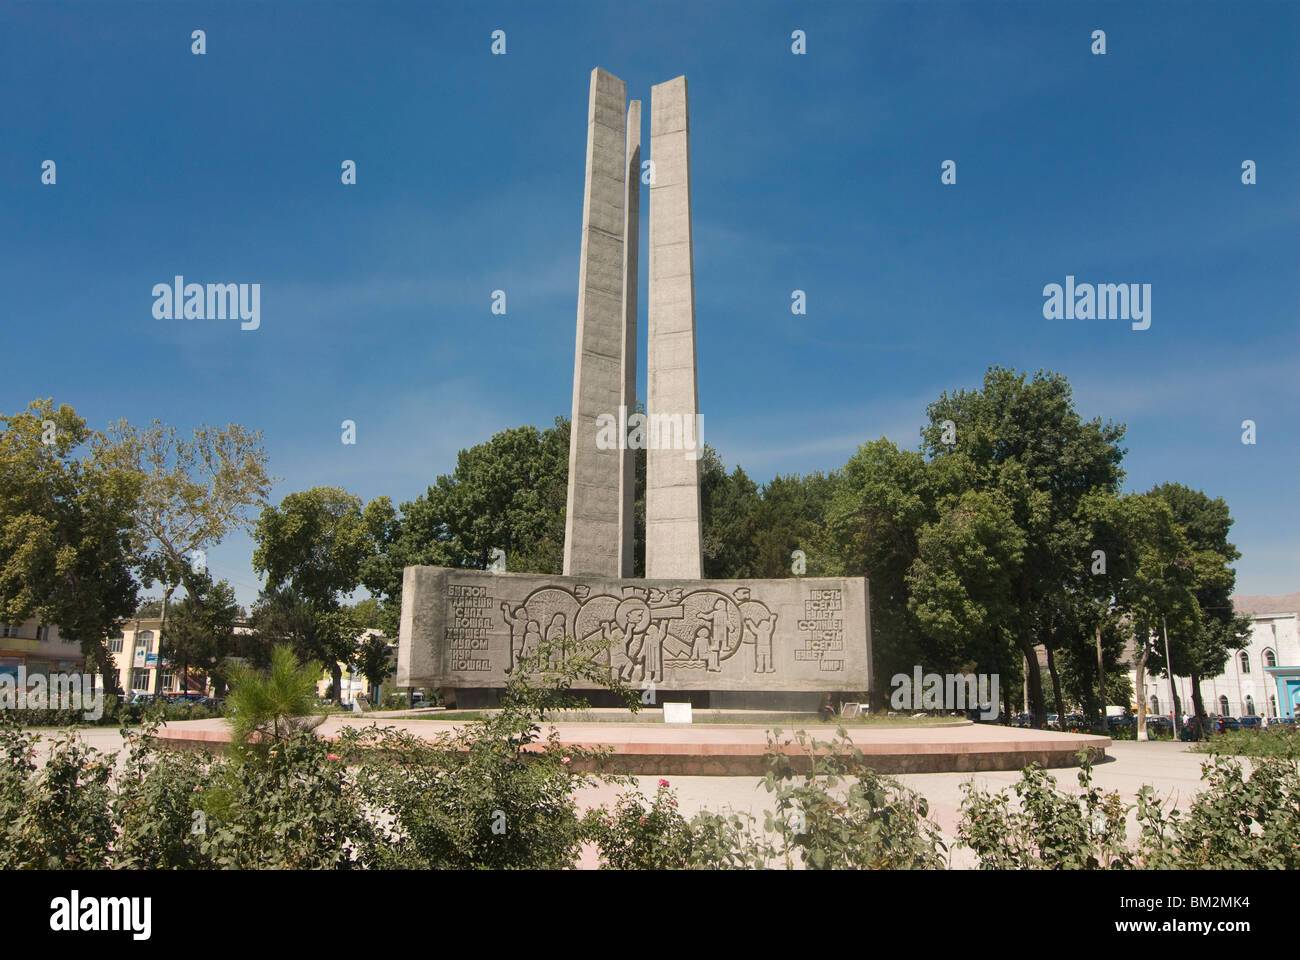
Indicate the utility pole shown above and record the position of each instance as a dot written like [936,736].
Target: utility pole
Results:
[1169,672]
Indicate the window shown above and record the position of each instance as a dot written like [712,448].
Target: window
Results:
[1223,706]
[1270,658]
[1155,705]
[1272,706]
[144,641]
[115,643]
[1245,662]
[166,680]
[9,629]
[139,679]
[1250,706]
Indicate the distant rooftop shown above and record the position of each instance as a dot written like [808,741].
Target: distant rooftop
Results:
[1260,603]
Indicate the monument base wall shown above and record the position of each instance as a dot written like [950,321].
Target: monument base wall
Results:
[473,630]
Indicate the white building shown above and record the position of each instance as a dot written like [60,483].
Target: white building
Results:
[1260,679]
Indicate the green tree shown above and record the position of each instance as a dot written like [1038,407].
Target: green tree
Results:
[374,660]
[1148,576]
[876,512]
[192,494]
[1201,646]
[963,581]
[312,548]
[199,633]
[1024,439]
[728,515]
[65,529]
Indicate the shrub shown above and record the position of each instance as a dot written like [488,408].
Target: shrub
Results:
[634,836]
[58,816]
[1281,741]
[1045,829]
[277,705]
[157,805]
[493,794]
[845,816]
[286,806]
[1237,822]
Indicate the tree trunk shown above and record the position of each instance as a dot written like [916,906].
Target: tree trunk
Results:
[1056,686]
[336,673]
[101,660]
[1198,705]
[1006,703]
[1140,688]
[1100,722]
[1035,678]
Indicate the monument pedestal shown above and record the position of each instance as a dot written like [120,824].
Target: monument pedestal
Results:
[735,639]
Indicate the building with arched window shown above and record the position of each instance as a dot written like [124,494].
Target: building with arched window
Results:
[1264,673]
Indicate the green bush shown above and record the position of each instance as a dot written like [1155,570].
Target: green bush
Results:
[60,815]
[1281,741]
[286,806]
[1045,829]
[1239,821]
[157,806]
[277,705]
[494,794]
[843,815]
[634,836]
[499,794]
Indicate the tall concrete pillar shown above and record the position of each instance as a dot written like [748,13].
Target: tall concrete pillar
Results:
[673,532]
[631,252]
[593,531]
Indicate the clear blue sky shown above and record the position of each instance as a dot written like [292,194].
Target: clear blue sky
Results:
[818,172]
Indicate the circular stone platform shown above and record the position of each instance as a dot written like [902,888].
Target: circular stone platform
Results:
[737,750]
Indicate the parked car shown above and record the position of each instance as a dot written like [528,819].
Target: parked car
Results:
[1226,723]
[1251,723]
[1114,722]
[1160,724]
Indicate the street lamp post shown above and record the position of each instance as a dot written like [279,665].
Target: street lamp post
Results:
[1169,672]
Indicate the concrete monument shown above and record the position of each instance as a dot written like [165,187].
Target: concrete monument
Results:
[597,527]
[672,499]
[474,628]
[470,630]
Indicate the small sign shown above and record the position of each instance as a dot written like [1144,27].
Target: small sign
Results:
[677,713]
